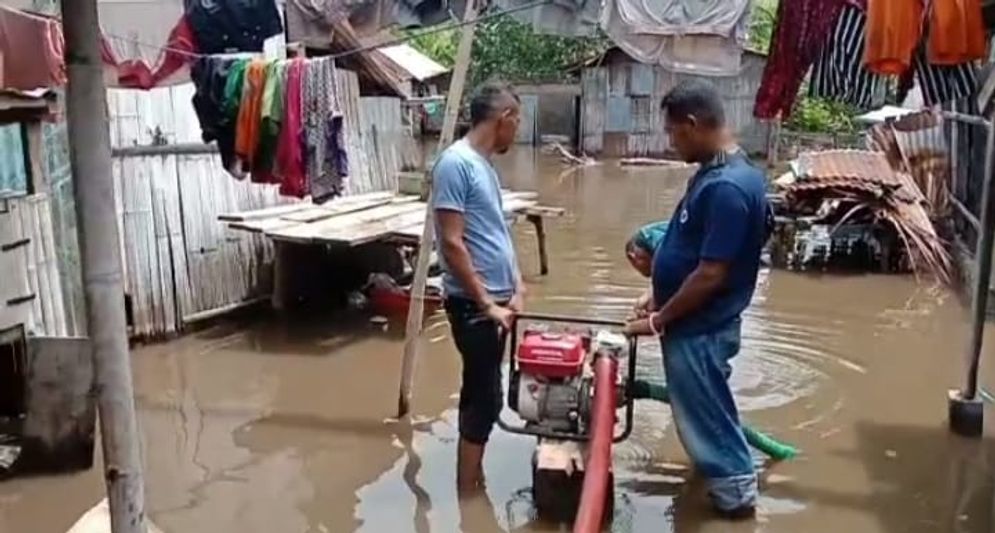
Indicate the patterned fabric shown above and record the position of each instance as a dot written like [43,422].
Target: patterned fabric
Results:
[839,74]
[802,28]
[324,155]
[942,83]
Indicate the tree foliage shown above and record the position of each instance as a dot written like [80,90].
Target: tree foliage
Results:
[819,115]
[506,49]
[762,19]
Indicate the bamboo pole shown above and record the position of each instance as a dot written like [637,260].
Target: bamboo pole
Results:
[90,157]
[416,310]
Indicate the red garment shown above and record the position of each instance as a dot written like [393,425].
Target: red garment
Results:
[289,149]
[803,26]
[31,51]
[956,32]
[136,74]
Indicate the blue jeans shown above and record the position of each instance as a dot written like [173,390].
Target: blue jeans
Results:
[697,369]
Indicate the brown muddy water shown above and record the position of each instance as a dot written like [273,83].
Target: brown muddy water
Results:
[272,425]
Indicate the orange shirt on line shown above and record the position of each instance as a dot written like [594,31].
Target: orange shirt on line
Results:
[956,32]
[893,31]
[249,112]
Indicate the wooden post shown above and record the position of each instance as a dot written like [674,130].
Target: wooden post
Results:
[417,308]
[90,157]
[983,267]
[537,221]
[773,141]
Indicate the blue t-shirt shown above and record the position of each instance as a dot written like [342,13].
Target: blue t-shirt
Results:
[464,181]
[722,217]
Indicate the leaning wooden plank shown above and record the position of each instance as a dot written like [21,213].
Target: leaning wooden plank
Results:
[50,264]
[43,290]
[305,233]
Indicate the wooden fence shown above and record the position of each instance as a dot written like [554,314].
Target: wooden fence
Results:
[31,293]
[180,263]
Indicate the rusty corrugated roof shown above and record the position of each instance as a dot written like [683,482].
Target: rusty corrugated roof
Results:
[859,165]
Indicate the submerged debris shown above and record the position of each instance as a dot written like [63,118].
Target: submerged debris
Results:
[651,162]
[568,158]
[851,204]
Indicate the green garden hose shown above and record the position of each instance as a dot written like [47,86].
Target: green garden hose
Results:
[774,448]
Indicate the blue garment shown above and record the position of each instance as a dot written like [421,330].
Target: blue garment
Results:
[697,369]
[651,235]
[722,217]
[463,181]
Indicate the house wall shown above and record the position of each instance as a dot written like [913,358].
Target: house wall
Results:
[179,261]
[620,107]
[551,110]
[31,293]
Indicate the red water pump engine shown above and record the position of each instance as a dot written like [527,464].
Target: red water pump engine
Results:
[551,374]
[561,370]
[551,389]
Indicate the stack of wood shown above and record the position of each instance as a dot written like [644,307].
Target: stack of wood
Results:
[850,187]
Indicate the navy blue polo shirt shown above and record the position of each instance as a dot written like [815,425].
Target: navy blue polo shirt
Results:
[722,217]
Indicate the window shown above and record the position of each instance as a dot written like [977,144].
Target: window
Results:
[13,174]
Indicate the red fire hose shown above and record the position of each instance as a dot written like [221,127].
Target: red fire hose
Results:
[599,460]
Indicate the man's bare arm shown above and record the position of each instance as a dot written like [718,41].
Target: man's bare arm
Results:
[451,224]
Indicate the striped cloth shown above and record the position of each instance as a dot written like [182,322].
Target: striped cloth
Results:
[943,83]
[839,72]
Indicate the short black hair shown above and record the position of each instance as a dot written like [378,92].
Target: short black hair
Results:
[486,98]
[695,98]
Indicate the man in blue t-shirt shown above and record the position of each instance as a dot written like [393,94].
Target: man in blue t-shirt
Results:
[482,282]
[703,276]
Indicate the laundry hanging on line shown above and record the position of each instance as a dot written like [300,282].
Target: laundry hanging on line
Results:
[139,47]
[278,122]
[839,72]
[858,45]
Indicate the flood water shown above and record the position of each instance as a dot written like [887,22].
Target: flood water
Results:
[267,424]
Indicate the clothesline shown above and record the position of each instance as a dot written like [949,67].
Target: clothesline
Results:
[394,42]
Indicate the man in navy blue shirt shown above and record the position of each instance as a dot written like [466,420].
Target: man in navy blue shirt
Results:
[703,276]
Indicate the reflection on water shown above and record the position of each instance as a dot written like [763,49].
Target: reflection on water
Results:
[282,425]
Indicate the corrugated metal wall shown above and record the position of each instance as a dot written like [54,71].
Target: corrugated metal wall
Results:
[377,138]
[620,107]
[179,261]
